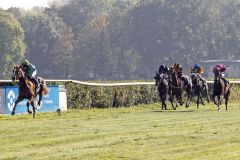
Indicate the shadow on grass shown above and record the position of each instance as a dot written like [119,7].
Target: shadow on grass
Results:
[173,111]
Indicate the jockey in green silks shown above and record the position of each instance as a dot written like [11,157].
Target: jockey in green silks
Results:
[30,72]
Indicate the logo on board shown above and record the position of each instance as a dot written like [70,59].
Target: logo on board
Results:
[11,97]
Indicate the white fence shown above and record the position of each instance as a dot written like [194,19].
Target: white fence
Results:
[106,84]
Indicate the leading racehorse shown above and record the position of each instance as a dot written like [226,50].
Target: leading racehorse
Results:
[27,89]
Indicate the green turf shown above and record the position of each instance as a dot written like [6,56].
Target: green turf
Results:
[143,132]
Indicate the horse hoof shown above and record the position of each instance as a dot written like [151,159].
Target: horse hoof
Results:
[13,113]
[29,112]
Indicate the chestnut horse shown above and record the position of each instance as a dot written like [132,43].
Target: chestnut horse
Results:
[218,90]
[178,87]
[27,90]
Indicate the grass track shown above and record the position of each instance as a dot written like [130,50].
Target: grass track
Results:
[143,132]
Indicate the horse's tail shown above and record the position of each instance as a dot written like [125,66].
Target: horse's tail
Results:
[45,90]
[214,99]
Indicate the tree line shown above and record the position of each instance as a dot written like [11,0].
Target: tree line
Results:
[118,39]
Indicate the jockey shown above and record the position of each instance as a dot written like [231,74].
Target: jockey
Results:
[163,69]
[180,75]
[198,69]
[30,72]
[221,68]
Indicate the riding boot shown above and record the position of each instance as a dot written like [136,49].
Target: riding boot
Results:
[36,84]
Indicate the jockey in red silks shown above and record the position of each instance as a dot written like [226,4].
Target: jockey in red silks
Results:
[221,69]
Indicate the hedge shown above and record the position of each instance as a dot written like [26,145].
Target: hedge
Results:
[82,96]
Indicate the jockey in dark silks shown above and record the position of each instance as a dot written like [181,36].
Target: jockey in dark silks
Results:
[198,69]
[163,69]
[30,72]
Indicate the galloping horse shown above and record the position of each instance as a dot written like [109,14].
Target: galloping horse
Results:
[218,90]
[177,88]
[27,90]
[161,82]
[198,88]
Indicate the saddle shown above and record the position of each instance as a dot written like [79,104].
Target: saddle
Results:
[37,82]
[186,80]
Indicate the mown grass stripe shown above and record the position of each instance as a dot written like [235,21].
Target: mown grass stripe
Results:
[142,132]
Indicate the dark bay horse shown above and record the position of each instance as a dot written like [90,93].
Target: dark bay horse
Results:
[218,90]
[161,81]
[27,90]
[198,88]
[178,87]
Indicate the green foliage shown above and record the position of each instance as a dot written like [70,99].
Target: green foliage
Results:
[12,47]
[82,96]
[125,39]
[50,43]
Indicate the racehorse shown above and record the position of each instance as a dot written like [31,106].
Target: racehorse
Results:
[218,90]
[198,88]
[162,84]
[178,86]
[27,90]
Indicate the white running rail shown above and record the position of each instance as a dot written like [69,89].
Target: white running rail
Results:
[105,84]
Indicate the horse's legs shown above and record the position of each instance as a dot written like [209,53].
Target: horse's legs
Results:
[189,99]
[164,102]
[178,100]
[16,102]
[163,105]
[198,96]
[30,112]
[181,99]
[219,102]
[207,94]
[201,98]
[171,99]
[40,96]
[33,106]
[226,100]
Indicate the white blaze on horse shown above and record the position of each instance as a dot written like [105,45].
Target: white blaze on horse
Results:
[27,89]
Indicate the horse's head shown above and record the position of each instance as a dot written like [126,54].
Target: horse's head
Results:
[217,73]
[172,71]
[17,73]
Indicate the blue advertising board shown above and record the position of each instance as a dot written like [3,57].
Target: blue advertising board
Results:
[50,102]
